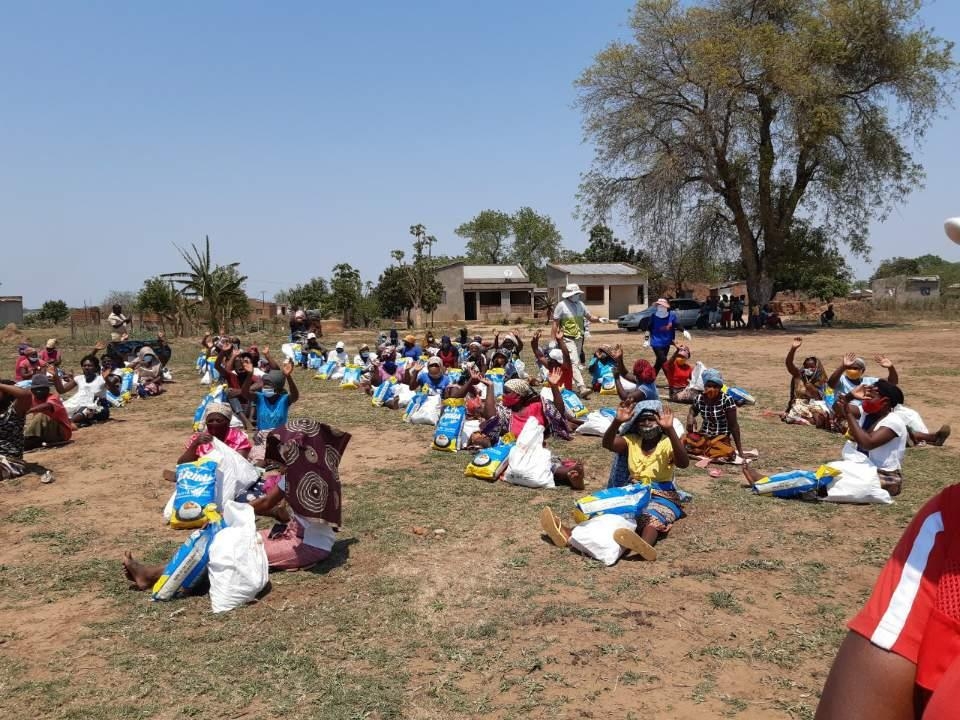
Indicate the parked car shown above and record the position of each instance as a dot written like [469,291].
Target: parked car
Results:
[687,311]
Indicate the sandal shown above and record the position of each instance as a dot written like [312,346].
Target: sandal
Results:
[550,524]
[634,543]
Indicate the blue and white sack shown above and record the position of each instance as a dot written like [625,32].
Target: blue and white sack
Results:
[447,433]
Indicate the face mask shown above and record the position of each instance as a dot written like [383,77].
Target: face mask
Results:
[364,356]
[853,374]
[390,367]
[872,406]
[711,393]
[662,312]
[809,374]
[511,400]
[681,360]
[148,359]
[650,433]
[34,358]
[268,392]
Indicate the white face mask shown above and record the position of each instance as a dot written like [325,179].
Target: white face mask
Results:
[662,312]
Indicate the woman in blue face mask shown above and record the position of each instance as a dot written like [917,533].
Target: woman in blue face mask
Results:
[150,370]
[271,402]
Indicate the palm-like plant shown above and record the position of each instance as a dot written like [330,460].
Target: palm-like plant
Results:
[217,289]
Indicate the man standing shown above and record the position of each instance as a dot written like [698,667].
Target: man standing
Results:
[119,324]
[568,318]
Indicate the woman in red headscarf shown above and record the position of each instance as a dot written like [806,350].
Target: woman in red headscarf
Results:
[642,378]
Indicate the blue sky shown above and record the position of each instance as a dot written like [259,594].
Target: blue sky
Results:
[299,135]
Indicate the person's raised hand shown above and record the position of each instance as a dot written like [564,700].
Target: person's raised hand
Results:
[266,351]
[288,367]
[625,411]
[558,335]
[100,346]
[617,352]
[475,375]
[797,342]
[884,362]
[849,359]
[247,365]
[859,392]
[555,376]
[666,417]
[536,336]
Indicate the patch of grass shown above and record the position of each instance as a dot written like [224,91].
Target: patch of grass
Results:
[724,600]
[28,515]
[64,542]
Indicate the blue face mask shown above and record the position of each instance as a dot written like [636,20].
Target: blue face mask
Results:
[268,392]
[364,356]
[390,367]
[148,359]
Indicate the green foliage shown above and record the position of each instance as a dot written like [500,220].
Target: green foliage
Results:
[54,311]
[733,115]
[346,292]
[525,238]
[392,292]
[603,247]
[218,290]
[949,272]
[312,295]
[158,296]
[488,237]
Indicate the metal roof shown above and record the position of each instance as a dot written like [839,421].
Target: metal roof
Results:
[514,273]
[924,278]
[596,268]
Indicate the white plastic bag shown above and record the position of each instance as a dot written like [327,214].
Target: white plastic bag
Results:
[469,428]
[234,475]
[858,482]
[237,568]
[596,423]
[696,377]
[428,413]
[595,537]
[528,463]
[404,394]
[206,378]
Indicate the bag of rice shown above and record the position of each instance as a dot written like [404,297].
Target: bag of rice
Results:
[447,435]
[196,492]
[799,484]
[627,500]
[498,377]
[218,393]
[489,464]
[326,370]
[189,564]
[383,392]
[351,377]
[574,403]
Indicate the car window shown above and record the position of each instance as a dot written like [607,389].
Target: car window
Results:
[685,304]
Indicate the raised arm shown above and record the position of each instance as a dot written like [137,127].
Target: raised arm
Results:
[791,354]
[680,457]
[288,373]
[612,439]
[21,397]
[845,364]
[892,375]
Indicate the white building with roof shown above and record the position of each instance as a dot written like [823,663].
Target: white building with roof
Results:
[486,293]
[609,289]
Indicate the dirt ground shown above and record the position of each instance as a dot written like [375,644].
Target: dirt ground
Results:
[740,616]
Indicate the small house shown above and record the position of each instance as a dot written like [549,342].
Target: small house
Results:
[483,292]
[609,289]
[905,288]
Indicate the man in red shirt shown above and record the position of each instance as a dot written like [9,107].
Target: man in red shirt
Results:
[901,659]
[48,422]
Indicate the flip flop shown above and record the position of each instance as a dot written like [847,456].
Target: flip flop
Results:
[550,524]
[634,543]
[704,462]
[715,472]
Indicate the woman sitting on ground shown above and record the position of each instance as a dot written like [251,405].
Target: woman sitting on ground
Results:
[88,405]
[808,392]
[719,435]
[271,402]
[557,358]
[601,366]
[15,403]
[643,377]
[448,354]
[307,454]
[679,372]
[432,381]
[519,403]
[28,364]
[653,451]
[150,370]
[50,355]
[47,420]
[217,421]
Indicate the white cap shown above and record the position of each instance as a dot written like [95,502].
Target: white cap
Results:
[571,290]
[556,355]
[340,345]
[311,336]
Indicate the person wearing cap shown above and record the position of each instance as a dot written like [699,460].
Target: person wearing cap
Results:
[298,326]
[88,404]
[339,354]
[433,380]
[850,374]
[662,332]
[643,435]
[50,355]
[679,371]
[150,370]
[216,419]
[47,421]
[410,348]
[511,344]
[569,317]
[719,434]
[28,365]
[312,348]
[476,356]
[270,402]
[555,358]
[15,403]
[363,357]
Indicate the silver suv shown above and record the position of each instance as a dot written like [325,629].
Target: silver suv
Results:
[687,311]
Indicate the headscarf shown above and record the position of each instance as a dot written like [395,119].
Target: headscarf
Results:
[712,375]
[274,378]
[798,385]
[219,408]
[644,407]
[644,372]
[519,387]
[312,451]
[148,373]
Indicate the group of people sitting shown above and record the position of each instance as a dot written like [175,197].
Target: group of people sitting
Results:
[44,405]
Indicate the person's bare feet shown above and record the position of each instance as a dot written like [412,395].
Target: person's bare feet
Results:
[750,476]
[170,475]
[135,572]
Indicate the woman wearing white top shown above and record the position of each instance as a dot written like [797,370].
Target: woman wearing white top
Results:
[87,405]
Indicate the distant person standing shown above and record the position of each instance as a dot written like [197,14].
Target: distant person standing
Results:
[662,332]
[736,308]
[569,317]
[120,324]
[827,316]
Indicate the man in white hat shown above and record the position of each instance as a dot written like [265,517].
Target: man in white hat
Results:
[339,354]
[568,318]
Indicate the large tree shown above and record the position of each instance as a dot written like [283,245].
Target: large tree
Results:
[312,295]
[488,237]
[536,242]
[742,113]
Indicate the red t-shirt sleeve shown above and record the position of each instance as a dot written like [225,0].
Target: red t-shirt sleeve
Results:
[896,615]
